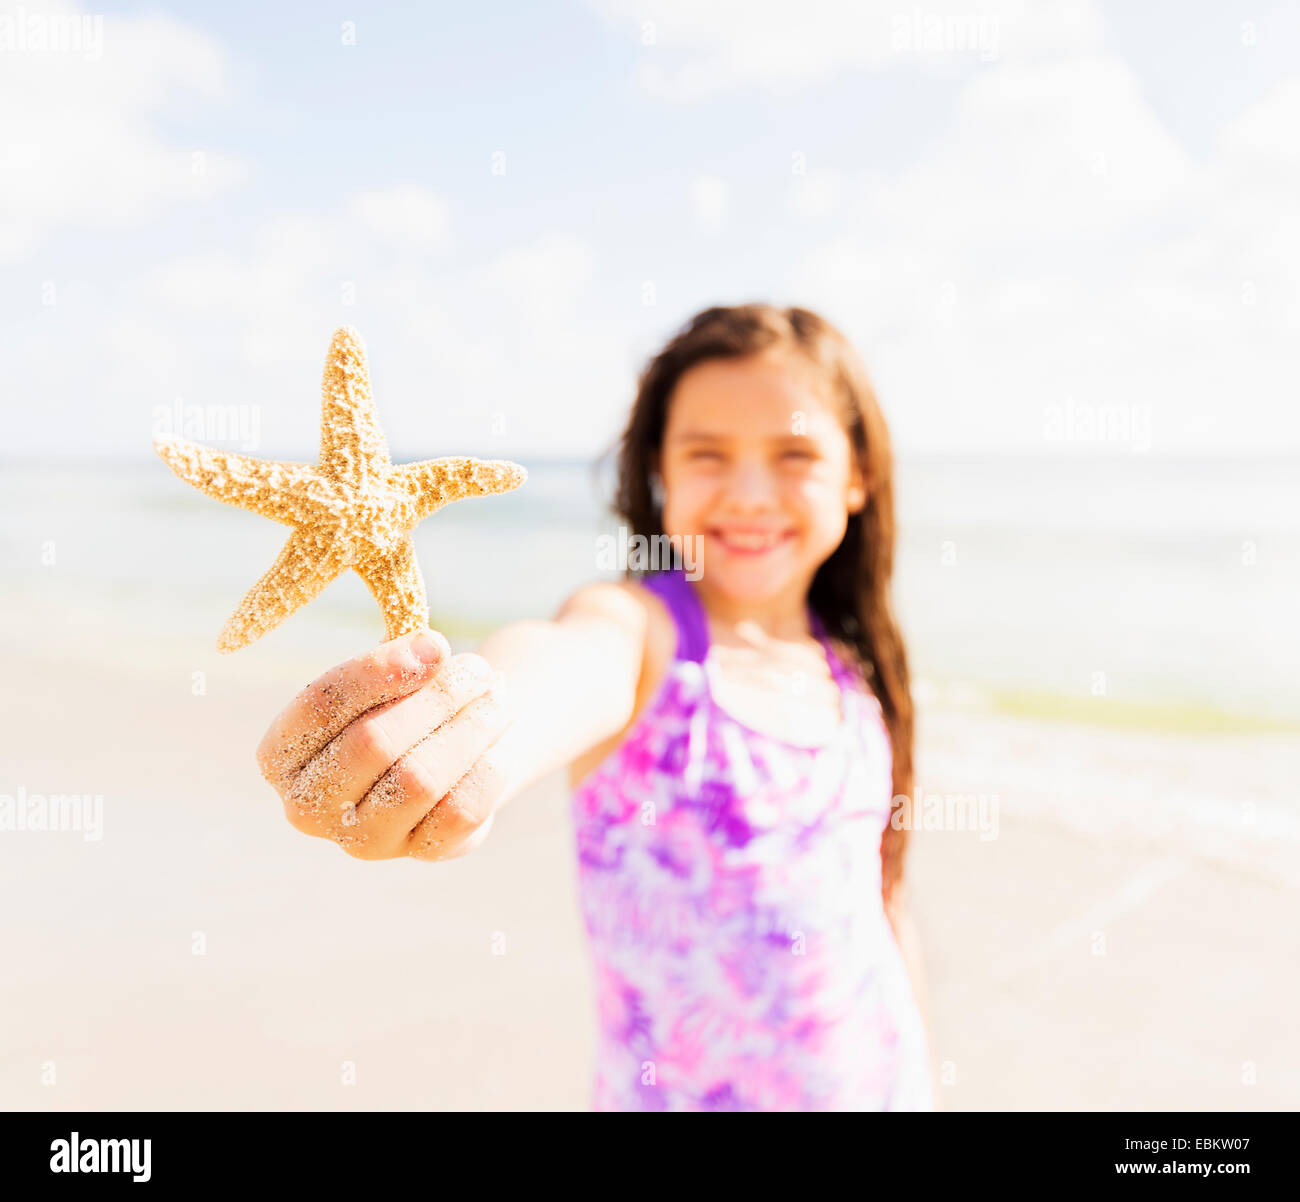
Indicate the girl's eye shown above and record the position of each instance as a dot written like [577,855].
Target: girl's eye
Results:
[702,454]
[797,455]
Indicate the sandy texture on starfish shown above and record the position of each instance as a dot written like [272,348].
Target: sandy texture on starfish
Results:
[396,583]
[261,485]
[299,575]
[354,509]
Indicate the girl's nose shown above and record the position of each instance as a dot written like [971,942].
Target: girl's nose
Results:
[750,486]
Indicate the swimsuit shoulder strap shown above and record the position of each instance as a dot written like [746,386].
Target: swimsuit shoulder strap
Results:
[844,675]
[675,591]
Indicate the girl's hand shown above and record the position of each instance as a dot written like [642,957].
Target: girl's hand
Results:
[391,753]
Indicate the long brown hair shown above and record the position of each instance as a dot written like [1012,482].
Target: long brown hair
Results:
[851,590]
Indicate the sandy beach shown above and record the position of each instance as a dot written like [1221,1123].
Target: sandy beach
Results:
[1061,241]
[1096,954]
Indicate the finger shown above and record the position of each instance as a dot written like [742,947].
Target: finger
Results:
[328,789]
[461,820]
[473,840]
[392,670]
[421,779]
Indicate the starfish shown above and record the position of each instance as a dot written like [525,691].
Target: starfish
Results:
[354,509]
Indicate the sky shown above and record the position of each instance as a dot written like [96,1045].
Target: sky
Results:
[1047,227]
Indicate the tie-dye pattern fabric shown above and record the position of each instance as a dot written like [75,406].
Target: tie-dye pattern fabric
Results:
[730,885]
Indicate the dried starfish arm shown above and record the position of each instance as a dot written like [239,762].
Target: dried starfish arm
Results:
[300,573]
[352,444]
[264,486]
[395,581]
[434,483]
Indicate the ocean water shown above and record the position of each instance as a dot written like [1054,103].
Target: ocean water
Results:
[1151,582]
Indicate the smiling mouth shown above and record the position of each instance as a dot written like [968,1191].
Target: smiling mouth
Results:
[751,542]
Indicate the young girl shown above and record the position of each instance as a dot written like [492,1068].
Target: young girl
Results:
[736,729]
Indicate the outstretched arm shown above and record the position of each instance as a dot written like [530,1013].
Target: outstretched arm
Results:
[570,683]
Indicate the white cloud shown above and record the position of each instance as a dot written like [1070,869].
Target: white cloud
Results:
[1269,128]
[536,376]
[1003,272]
[407,214]
[817,194]
[694,49]
[544,277]
[709,197]
[1059,150]
[558,370]
[84,153]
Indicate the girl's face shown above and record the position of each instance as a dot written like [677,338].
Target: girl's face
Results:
[756,466]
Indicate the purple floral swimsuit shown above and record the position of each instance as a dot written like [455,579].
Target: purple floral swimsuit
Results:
[730,885]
